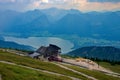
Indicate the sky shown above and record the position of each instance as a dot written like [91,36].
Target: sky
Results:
[82,5]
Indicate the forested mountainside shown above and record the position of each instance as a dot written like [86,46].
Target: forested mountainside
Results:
[98,52]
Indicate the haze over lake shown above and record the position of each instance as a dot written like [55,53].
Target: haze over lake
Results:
[36,42]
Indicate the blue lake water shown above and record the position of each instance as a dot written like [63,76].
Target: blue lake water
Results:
[36,42]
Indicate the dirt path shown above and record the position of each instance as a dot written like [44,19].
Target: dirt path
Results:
[84,64]
[90,77]
[92,67]
[73,78]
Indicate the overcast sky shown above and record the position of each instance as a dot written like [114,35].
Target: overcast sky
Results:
[82,5]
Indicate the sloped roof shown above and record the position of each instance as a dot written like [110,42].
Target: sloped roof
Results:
[54,46]
[42,49]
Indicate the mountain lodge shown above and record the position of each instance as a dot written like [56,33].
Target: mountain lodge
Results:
[51,52]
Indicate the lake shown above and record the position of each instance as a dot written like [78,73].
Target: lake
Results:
[36,42]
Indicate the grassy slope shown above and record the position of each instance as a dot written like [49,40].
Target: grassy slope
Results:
[10,72]
[114,68]
[38,64]
[96,74]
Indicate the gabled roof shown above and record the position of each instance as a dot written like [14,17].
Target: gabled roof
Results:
[54,46]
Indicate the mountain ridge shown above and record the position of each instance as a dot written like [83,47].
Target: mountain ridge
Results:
[97,52]
[105,25]
[95,27]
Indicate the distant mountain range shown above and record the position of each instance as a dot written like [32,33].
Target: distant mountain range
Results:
[100,52]
[97,25]
[82,29]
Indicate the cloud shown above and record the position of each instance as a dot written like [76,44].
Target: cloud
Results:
[45,1]
[104,0]
[85,5]
[82,5]
[6,1]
